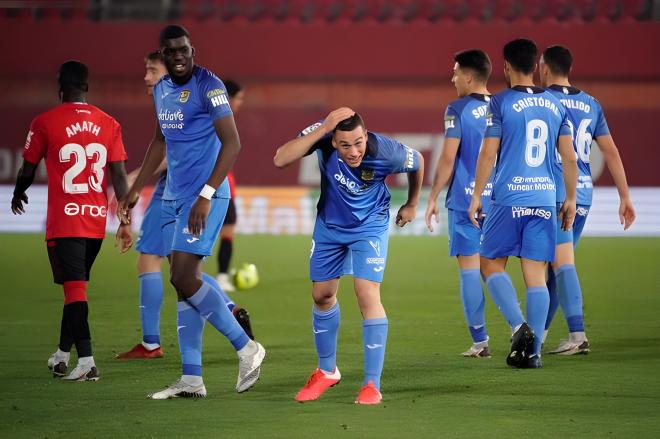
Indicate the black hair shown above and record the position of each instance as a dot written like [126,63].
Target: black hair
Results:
[232,87]
[154,56]
[559,59]
[350,124]
[172,31]
[73,75]
[521,54]
[475,60]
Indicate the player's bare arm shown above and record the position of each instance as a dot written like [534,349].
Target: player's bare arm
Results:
[24,180]
[296,149]
[408,211]
[485,164]
[615,166]
[570,173]
[225,129]
[443,173]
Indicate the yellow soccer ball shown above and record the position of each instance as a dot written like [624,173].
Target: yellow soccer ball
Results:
[246,277]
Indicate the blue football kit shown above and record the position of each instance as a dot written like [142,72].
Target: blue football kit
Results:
[150,241]
[465,119]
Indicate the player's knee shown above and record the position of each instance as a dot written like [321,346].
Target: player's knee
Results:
[180,280]
[75,291]
[324,298]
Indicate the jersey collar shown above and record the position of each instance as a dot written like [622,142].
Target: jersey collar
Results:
[566,89]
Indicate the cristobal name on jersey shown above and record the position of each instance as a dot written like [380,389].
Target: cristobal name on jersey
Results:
[524,184]
[535,101]
[576,105]
[171,119]
[82,127]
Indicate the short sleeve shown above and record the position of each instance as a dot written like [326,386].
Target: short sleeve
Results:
[494,119]
[36,143]
[452,123]
[565,127]
[214,97]
[117,152]
[601,124]
[323,143]
[402,158]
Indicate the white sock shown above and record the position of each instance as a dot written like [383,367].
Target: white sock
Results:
[61,355]
[249,349]
[545,335]
[150,346]
[86,361]
[577,337]
[192,380]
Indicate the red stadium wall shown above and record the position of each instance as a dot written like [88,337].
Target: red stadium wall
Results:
[396,76]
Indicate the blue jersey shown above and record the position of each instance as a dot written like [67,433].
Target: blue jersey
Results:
[587,121]
[528,121]
[159,189]
[465,119]
[353,197]
[186,114]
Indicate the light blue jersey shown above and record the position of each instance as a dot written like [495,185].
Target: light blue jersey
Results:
[528,122]
[186,114]
[465,119]
[587,121]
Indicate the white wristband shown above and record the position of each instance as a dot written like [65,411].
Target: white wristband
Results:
[207,192]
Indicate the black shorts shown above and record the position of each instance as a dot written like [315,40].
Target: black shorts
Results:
[230,218]
[72,258]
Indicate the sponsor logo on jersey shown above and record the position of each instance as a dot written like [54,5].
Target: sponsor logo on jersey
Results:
[183,98]
[171,119]
[489,120]
[73,209]
[525,184]
[348,184]
[410,158]
[519,212]
[449,121]
[367,174]
[215,92]
[83,111]
[219,100]
[582,211]
[310,128]
[28,140]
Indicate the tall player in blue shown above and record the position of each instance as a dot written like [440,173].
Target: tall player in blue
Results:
[465,125]
[351,236]
[586,118]
[196,126]
[525,123]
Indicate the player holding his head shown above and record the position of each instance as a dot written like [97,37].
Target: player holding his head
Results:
[196,126]
[351,235]
[524,125]
[152,249]
[80,144]
[587,121]
[465,125]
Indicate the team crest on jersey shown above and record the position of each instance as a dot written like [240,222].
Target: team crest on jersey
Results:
[185,94]
[367,174]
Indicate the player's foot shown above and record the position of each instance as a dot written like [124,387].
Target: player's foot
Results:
[533,362]
[369,395]
[522,343]
[140,352]
[318,383]
[225,282]
[58,363]
[181,389]
[249,367]
[478,350]
[243,318]
[83,372]
[570,347]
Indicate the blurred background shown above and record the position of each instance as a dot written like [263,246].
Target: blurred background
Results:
[391,60]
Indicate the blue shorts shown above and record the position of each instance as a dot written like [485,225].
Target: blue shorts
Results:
[150,240]
[175,225]
[464,237]
[526,232]
[574,234]
[361,252]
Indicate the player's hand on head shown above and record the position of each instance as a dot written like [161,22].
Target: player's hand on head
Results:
[336,116]
[567,215]
[406,214]
[17,204]
[626,213]
[475,211]
[432,211]
[123,238]
[198,214]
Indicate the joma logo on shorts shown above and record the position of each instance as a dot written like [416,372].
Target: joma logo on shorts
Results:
[519,212]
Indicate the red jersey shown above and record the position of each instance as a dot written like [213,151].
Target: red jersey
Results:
[77,141]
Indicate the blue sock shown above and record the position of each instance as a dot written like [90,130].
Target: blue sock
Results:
[554,300]
[211,280]
[504,295]
[374,337]
[472,297]
[190,327]
[208,301]
[151,299]
[326,326]
[537,312]
[570,297]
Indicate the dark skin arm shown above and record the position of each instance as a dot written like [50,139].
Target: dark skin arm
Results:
[24,180]
[225,129]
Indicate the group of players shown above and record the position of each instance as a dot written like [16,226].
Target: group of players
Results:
[530,201]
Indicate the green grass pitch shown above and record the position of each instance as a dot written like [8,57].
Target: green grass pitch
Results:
[428,389]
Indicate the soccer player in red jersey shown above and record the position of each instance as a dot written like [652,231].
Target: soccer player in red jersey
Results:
[80,144]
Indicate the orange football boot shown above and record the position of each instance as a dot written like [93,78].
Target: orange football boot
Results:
[140,352]
[369,394]
[318,383]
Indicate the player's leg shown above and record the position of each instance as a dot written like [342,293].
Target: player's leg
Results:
[58,363]
[563,237]
[226,248]
[240,314]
